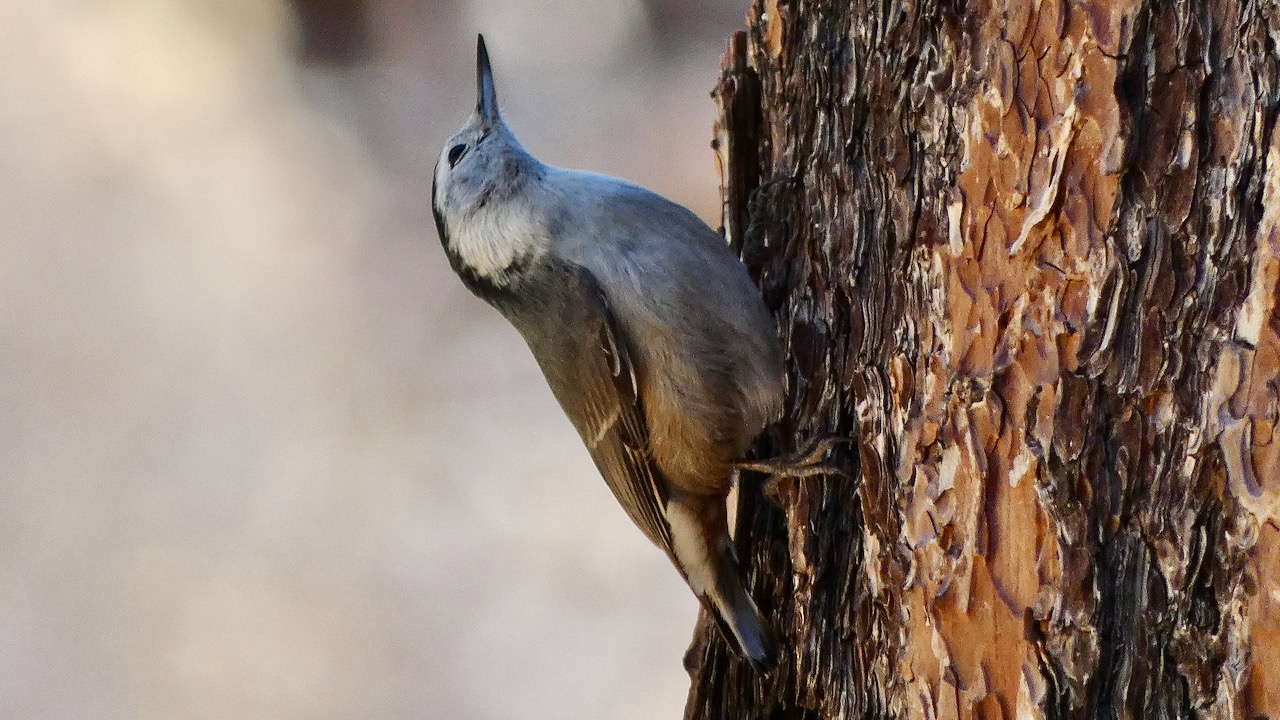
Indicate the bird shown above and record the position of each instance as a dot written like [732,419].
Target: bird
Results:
[648,330]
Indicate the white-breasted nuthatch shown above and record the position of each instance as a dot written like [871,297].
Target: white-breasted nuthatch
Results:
[647,328]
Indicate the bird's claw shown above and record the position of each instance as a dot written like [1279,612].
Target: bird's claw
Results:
[809,461]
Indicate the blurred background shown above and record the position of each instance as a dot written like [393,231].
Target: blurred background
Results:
[261,455]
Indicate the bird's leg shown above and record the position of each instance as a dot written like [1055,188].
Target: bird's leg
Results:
[808,461]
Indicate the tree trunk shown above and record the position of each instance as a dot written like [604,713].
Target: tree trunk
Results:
[1026,255]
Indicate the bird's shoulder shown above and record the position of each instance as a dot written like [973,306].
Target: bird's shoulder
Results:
[610,207]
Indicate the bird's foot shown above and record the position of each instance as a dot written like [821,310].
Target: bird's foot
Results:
[809,461]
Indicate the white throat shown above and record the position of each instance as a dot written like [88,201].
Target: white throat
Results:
[492,240]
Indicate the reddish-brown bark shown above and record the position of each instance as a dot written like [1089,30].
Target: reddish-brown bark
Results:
[1026,254]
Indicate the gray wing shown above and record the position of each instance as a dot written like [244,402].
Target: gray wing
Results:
[678,273]
[587,363]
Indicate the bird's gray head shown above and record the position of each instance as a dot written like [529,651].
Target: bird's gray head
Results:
[480,191]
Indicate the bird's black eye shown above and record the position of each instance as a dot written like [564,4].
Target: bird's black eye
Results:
[455,154]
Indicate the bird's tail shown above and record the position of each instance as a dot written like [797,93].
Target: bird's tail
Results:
[737,616]
[701,548]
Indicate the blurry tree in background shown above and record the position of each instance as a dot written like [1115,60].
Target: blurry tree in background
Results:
[332,31]
[1026,254]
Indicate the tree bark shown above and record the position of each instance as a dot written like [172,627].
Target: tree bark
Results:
[1026,255]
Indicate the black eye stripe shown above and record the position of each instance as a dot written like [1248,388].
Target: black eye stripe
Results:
[455,154]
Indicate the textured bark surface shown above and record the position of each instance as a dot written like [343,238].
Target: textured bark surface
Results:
[1027,255]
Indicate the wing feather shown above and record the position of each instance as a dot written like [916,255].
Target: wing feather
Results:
[587,362]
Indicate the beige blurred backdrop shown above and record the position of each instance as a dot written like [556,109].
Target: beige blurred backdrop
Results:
[261,455]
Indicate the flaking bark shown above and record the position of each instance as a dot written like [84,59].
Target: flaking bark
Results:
[1026,255]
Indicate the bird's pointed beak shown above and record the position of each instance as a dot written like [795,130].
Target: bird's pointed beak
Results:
[487,95]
